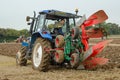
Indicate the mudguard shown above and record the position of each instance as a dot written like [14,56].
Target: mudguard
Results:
[46,35]
[25,44]
[92,63]
[96,49]
[43,34]
[89,59]
[92,33]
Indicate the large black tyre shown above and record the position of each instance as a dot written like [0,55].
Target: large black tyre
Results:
[59,41]
[75,32]
[59,56]
[40,58]
[75,60]
[20,57]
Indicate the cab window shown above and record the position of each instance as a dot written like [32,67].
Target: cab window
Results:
[40,22]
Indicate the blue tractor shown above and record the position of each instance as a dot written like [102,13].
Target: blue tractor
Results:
[50,43]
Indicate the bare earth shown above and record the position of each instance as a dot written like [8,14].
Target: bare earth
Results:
[9,70]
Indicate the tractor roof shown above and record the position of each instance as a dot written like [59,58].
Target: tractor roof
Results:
[59,14]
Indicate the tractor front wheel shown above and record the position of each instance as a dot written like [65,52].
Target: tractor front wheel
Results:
[74,62]
[40,58]
[20,57]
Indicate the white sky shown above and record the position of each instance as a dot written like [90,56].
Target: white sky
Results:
[14,12]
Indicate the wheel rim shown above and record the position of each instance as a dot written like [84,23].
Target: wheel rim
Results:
[57,41]
[72,59]
[18,57]
[72,32]
[57,56]
[37,55]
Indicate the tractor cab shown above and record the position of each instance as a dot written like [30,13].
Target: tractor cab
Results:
[48,22]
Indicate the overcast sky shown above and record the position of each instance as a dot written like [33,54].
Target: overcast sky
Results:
[13,12]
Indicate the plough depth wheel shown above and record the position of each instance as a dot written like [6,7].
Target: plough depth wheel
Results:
[75,60]
[75,32]
[59,56]
[59,41]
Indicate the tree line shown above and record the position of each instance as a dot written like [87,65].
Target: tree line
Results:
[110,28]
[8,35]
[12,34]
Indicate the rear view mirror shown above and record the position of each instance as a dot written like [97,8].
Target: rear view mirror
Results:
[28,18]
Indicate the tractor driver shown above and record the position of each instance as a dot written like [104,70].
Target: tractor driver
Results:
[59,26]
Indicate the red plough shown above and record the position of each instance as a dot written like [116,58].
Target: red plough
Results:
[89,59]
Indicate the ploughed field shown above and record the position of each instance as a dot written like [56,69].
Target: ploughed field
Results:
[110,71]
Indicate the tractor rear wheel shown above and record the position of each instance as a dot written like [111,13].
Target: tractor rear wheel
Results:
[74,62]
[40,58]
[20,57]
[59,41]
[75,32]
[59,56]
